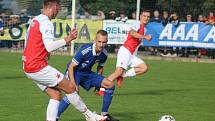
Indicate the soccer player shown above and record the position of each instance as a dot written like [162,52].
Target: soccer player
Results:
[38,44]
[127,53]
[79,71]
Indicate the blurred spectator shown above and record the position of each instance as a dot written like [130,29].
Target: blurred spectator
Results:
[156,17]
[201,18]
[23,16]
[100,15]
[189,18]
[174,19]
[201,51]
[164,21]
[186,51]
[86,15]
[133,14]
[1,27]
[210,19]
[122,16]
[165,18]
[112,15]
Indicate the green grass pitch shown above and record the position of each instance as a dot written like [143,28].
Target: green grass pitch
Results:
[182,89]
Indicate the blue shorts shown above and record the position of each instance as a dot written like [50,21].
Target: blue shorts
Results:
[87,79]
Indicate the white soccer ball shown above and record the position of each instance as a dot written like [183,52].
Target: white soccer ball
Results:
[167,118]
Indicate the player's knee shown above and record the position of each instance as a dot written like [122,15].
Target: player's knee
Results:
[56,95]
[110,84]
[119,70]
[144,68]
[70,89]
[110,90]
[107,83]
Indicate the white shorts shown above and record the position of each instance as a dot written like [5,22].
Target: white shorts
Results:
[47,77]
[125,59]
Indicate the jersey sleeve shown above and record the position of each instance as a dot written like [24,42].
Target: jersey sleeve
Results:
[135,26]
[78,57]
[47,30]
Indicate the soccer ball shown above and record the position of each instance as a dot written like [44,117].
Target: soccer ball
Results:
[167,118]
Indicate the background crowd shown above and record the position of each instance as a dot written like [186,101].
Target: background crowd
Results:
[8,19]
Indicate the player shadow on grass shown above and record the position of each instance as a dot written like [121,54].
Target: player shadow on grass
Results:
[12,77]
[153,92]
[133,116]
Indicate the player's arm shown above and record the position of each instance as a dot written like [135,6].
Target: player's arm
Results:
[71,71]
[77,59]
[47,31]
[139,36]
[100,69]
[71,74]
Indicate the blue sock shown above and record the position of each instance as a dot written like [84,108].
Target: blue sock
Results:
[64,103]
[107,99]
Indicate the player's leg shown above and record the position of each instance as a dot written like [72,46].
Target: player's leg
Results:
[64,103]
[107,99]
[46,79]
[117,73]
[53,104]
[73,97]
[50,77]
[99,81]
[123,60]
[138,67]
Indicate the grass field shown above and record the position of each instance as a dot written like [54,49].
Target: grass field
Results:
[184,90]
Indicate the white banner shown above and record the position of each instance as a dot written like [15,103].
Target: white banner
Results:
[117,30]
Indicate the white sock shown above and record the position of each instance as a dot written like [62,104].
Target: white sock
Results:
[129,73]
[87,113]
[104,113]
[52,110]
[76,101]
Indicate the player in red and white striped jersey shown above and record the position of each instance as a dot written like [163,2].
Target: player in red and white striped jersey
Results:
[39,42]
[127,53]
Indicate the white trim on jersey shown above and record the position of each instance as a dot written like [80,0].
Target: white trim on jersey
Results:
[75,61]
[85,51]
[135,26]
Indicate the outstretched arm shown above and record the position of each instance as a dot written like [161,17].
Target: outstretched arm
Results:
[52,45]
[139,36]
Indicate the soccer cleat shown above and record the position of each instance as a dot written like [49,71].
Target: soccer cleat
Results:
[110,118]
[95,117]
[119,81]
[101,92]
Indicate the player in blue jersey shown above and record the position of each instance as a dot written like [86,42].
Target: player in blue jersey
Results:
[79,71]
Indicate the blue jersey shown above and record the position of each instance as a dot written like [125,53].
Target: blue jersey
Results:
[86,57]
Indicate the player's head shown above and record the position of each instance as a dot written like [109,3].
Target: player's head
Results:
[101,40]
[144,16]
[51,8]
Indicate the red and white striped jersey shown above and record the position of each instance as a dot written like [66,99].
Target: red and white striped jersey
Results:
[133,43]
[40,32]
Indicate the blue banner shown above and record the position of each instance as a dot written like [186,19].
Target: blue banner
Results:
[190,34]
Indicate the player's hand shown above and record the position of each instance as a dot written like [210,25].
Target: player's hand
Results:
[77,89]
[72,36]
[148,37]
